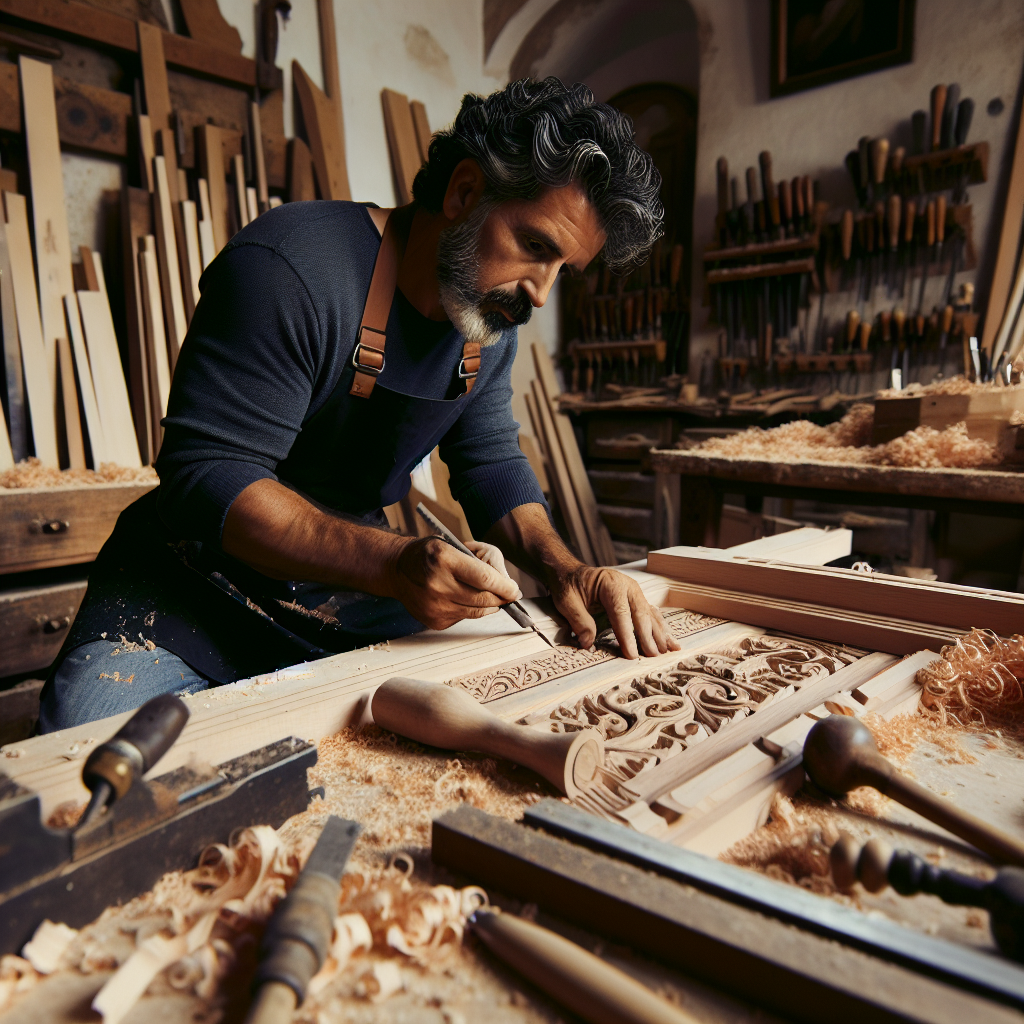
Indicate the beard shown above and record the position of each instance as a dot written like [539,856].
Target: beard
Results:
[478,316]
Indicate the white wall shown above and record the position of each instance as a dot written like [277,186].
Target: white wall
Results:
[980,45]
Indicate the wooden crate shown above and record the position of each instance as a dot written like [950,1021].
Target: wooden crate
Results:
[48,526]
[33,624]
[986,413]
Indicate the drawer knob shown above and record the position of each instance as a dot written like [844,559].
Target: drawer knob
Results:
[56,625]
[56,526]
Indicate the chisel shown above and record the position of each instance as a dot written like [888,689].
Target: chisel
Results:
[938,107]
[949,116]
[771,199]
[518,613]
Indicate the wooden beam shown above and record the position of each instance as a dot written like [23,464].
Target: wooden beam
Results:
[405,150]
[154,75]
[325,141]
[13,375]
[422,126]
[943,604]
[329,64]
[35,363]
[113,30]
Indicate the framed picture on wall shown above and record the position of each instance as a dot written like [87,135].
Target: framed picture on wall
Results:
[815,42]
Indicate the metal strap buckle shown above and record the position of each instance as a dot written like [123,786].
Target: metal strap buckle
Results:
[463,375]
[374,371]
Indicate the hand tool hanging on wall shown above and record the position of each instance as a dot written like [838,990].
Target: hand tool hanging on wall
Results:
[876,866]
[937,110]
[949,111]
[771,199]
[840,755]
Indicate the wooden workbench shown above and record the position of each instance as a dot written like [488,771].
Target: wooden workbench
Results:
[690,514]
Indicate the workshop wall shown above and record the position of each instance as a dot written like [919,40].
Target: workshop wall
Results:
[980,46]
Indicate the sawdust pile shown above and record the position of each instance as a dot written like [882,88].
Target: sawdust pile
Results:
[31,473]
[958,385]
[848,441]
[978,683]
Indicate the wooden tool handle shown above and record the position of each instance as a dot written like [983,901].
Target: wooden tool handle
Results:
[917,126]
[947,319]
[771,199]
[864,161]
[938,106]
[808,194]
[909,219]
[846,233]
[865,336]
[583,983]
[896,160]
[442,716]
[852,323]
[940,219]
[893,215]
[929,214]
[796,189]
[879,158]
[885,318]
[964,114]
[1002,848]
[751,185]
[722,175]
[949,115]
[899,317]
[880,223]
[786,201]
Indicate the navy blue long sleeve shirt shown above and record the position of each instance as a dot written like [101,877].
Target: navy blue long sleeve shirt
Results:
[261,386]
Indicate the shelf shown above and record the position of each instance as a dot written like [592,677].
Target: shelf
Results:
[942,161]
[728,275]
[756,250]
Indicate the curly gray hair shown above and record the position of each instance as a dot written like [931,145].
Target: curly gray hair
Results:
[530,135]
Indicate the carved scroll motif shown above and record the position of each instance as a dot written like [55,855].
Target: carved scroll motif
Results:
[654,717]
[521,675]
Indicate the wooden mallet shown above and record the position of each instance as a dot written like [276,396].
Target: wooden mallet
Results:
[442,716]
[840,755]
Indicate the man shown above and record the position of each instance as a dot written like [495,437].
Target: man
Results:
[334,346]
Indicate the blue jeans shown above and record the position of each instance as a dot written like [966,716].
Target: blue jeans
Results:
[101,678]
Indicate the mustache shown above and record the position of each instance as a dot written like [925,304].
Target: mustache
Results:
[517,306]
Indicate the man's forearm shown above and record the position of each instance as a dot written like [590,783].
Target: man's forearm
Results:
[528,540]
[282,535]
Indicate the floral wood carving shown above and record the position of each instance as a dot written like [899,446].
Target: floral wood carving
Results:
[521,675]
[654,717]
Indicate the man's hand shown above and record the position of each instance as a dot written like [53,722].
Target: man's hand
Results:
[585,589]
[441,586]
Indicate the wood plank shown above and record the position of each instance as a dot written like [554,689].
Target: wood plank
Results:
[147,149]
[167,256]
[156,339]
[68,395]
[49,215]
[332,77]
[252,203]
[323,133]
[402,143]
[944,604]
[108,379]
[194,267]
[154,75]
[962,484]
[136,223]
[34,622]
[808,545]
[100,26]
[262,195]
[86,388]
[35,364]
[83,518]
[6,454]
[422,126]
[1009,243]
[92,281]
[301,187]
[211,163]
[878,691]
[560,477]
[206,23]
[241,208]
[13,376]
[759,954]
[600,540]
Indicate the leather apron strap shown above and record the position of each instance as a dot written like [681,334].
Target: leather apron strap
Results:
[368,354]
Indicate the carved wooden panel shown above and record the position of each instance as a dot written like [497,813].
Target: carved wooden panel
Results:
[521,675]
[654,717]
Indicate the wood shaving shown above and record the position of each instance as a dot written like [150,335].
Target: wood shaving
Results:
[847,441]
[958,385]
[977,683]
[31,473]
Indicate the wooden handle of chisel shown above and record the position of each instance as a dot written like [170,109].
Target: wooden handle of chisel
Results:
[895,206]
[929,214]
[786,201]
[879,158]
[808,187]
[751,185]
[909,219]
[796,188]
[899,317]
[949,115]
[886,320]
[865,336]
[722,174]
[771,200]
[940,219]
[852,323]
[590,987]
[938,106]
[442,716]
[846,233]
[896,160]
[947,319]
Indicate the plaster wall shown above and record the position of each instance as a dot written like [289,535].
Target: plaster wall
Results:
[980,46]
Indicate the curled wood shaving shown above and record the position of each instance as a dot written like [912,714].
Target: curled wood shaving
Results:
[31,473]
[17,976]
[978,682]
[848,441]
[48,945]
[958,385]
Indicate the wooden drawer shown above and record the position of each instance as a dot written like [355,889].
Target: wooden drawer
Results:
[33,624]
[47,526]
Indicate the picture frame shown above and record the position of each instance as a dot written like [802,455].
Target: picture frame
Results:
[858,37]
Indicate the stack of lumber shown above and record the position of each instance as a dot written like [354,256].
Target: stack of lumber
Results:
[564,466]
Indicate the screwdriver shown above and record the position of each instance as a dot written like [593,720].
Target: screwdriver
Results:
[514,608]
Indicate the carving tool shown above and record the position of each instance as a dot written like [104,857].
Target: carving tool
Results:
[840,755]
[949,111]
[115,765]
[446,717]
[917,127]
[876,866]
[590,987]
[771,199]
[298,936]
[938,106]
[518,613]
